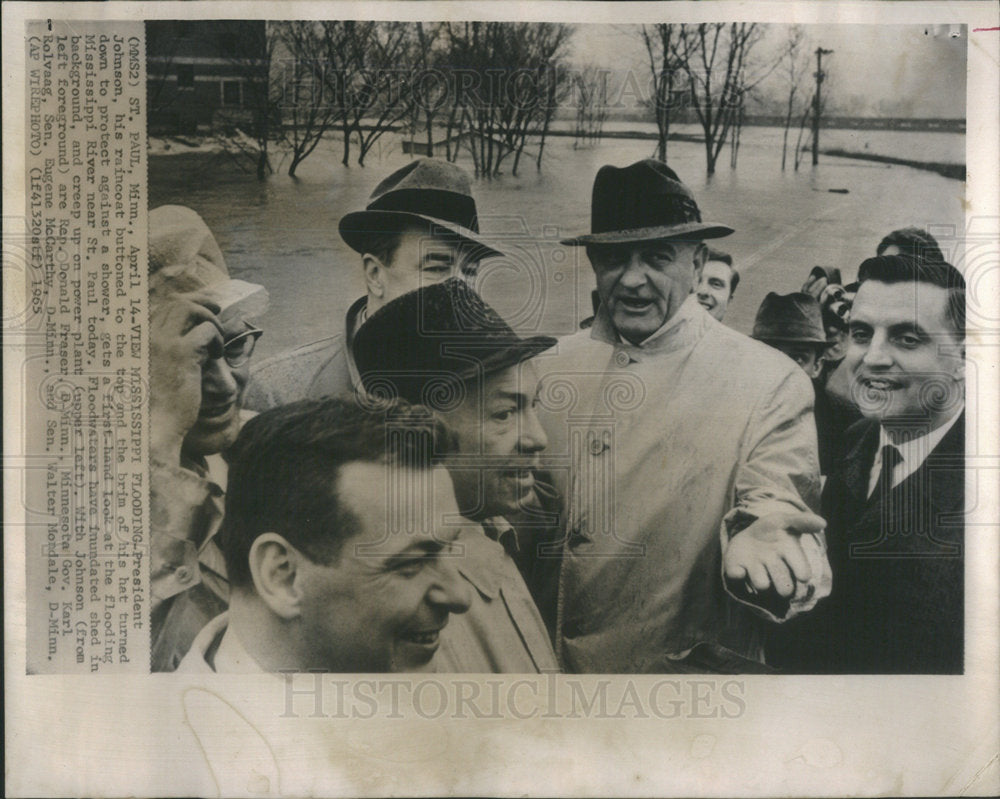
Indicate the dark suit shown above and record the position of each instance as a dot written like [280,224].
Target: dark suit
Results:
[898,569]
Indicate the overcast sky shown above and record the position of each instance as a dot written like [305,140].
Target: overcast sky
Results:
[898,70]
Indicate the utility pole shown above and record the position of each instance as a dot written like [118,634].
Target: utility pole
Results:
[820,52]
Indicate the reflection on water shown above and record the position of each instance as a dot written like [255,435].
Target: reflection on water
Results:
[283,232]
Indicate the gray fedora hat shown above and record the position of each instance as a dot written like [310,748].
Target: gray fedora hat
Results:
[429,192]
[792,318]
[644,201]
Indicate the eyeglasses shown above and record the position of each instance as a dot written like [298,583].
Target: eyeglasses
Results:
[236,350]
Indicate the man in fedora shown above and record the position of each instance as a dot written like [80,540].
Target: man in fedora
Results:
[793,324]
[420,226]
[444,347]
[692,451]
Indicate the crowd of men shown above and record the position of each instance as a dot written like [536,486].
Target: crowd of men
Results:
[425,489]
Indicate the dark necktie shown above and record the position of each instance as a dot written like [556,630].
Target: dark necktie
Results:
[890,507]
[890,459]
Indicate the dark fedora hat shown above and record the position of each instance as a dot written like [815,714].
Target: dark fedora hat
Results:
[793,318]
[643,202]
[423,345]
[428,192]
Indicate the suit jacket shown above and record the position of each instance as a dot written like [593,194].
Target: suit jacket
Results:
[897,604]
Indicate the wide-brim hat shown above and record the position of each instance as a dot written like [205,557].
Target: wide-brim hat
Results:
[428,192]
[644,201]
[792,318]
[185,257]
[183,254]
[424,345]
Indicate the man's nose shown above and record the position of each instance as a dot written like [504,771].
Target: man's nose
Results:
[217,378]
[532,435]
[877,353]
[450,591]
[634,275]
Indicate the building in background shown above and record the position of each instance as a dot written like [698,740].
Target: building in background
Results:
[204,75]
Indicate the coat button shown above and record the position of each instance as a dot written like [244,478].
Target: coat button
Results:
[183,574]
[596,446]
[621,358]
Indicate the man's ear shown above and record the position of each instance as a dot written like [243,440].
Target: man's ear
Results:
[274,565]
[960,366]
[374,279]
[699,257]
[817,367]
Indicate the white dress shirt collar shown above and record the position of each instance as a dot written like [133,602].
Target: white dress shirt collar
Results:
[913,452]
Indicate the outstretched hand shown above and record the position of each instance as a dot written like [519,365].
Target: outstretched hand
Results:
[768,553]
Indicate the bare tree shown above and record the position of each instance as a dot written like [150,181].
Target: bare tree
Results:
[548,46]
[660,41]
[796,66]
[429,83]
[799,149]
[497,106]
[591,85]
[379,95]
[308,109]
[715,59]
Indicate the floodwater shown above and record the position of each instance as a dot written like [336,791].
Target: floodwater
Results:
[282,232]
[948,148]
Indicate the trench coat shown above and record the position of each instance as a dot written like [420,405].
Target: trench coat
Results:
[668,449]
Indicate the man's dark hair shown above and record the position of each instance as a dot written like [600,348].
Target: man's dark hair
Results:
[384,244]
[908,269]
[284,467]
[727,259]
[719,255]
[914,242]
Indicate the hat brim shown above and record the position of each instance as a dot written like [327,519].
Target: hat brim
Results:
[462,362]
[689,230]
[498,360]
[786,340]
[357,226]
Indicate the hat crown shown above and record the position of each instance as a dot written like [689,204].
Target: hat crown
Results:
[645,194]
[441,331]
[791,317]
[431,188]
[424,174]
[183,254]
[449,310]
[429,193]
[644,201]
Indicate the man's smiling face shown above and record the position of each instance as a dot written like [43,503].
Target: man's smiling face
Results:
[714,289]
[905,359]
[382,604]
[499,439]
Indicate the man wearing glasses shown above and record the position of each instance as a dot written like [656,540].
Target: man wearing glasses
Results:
[200,348]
